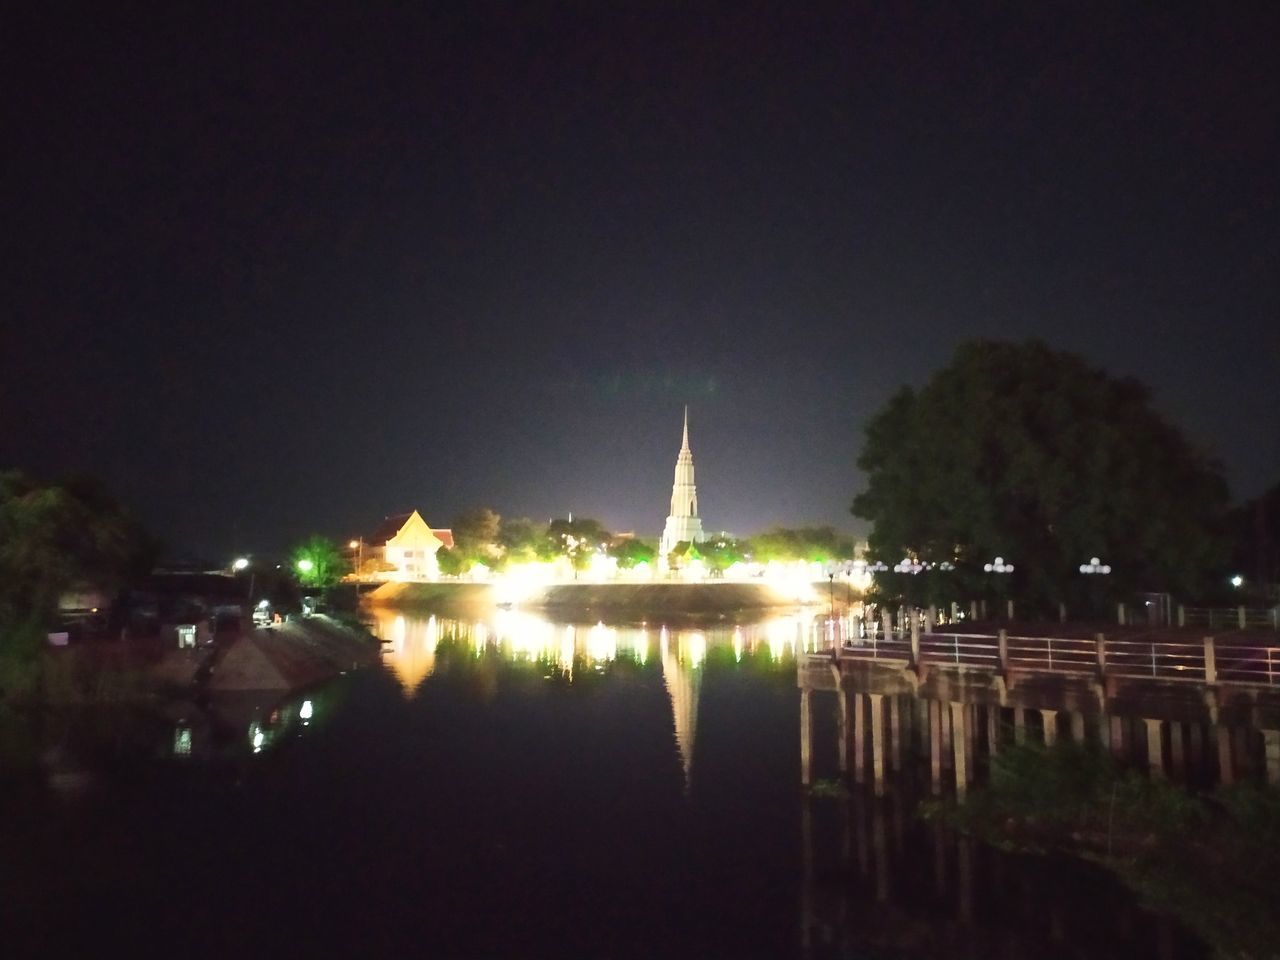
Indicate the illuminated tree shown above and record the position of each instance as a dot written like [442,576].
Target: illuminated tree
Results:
[810,544]
[318,562]
[630,551]
[1020,451]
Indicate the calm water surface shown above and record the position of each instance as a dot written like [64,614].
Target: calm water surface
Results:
[513,787]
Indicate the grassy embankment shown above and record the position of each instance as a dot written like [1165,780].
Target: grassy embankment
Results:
[1211,860]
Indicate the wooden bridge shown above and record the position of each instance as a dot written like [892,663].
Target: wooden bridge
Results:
[1203,708]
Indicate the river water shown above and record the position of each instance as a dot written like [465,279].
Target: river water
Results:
[515,787]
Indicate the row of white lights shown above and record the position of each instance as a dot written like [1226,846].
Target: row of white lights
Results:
[907,565]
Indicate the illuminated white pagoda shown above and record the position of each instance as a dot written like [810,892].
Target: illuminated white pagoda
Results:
[683,523]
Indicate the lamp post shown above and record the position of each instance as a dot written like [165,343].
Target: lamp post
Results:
[240,565]
[999,566]
[1095,568]
[358,546]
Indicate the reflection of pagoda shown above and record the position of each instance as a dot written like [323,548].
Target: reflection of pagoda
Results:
[683,677]
[683,523]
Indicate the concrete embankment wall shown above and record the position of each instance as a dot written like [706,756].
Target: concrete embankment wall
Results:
[636,600]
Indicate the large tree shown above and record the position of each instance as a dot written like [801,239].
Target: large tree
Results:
[52,538]
[1032,454]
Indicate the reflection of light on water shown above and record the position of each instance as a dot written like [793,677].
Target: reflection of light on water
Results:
[182,741]
[411,654]
[781,636]
[568,643]
[305,712]
[737,644]
[696,651]
[642,646]
[602,643]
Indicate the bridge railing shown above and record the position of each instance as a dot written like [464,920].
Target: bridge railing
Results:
[1226,618]
[1052,654]
[1237,663]
[1200,661]
[958,649]
[1156,660]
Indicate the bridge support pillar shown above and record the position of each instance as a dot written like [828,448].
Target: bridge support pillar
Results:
[1271,739]
[859,739]
[1155,746]
[935,746]
[1197,746]
[971,735]
[1077,727]
[1019,726]
[806,736]
[947,736]
[1177,750]
[877,741]
[1117,737]
[960,742]
[1226,769]
[993,730]
[1243,755]
[842,747]
[895,732]
[1050,727]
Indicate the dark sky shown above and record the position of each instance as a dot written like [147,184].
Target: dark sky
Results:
[273,271]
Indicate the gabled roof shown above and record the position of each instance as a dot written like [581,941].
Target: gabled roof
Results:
[393,524]
[389,527]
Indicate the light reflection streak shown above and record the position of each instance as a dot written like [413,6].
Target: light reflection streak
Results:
[412,648]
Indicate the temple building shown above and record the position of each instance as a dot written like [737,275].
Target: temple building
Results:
[683,523]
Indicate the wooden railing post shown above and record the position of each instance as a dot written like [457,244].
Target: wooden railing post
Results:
[1120,614]
[1210,663]
[1100,645]
[1002,646]
[1182,615]
[1241,614]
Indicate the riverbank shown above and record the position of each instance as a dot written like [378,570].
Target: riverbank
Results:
[1208,859]
[710,600]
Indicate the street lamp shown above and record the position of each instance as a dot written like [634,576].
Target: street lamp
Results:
[358,546]
[1237,581]
[240,563]
[1095,566]
[305,565]
[999,566]
[907,565]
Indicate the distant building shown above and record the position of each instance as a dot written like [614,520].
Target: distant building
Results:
[683,523]
[406,547]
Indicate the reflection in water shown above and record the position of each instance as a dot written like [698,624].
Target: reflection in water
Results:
[411,643]
[591,719]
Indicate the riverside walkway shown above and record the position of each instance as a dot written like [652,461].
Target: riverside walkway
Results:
[1190,704]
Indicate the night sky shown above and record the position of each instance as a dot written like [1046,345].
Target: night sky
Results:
[270,271]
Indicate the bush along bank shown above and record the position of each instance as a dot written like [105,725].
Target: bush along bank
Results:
[1211,859]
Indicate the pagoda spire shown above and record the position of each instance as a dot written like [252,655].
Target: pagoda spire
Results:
[685,446]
